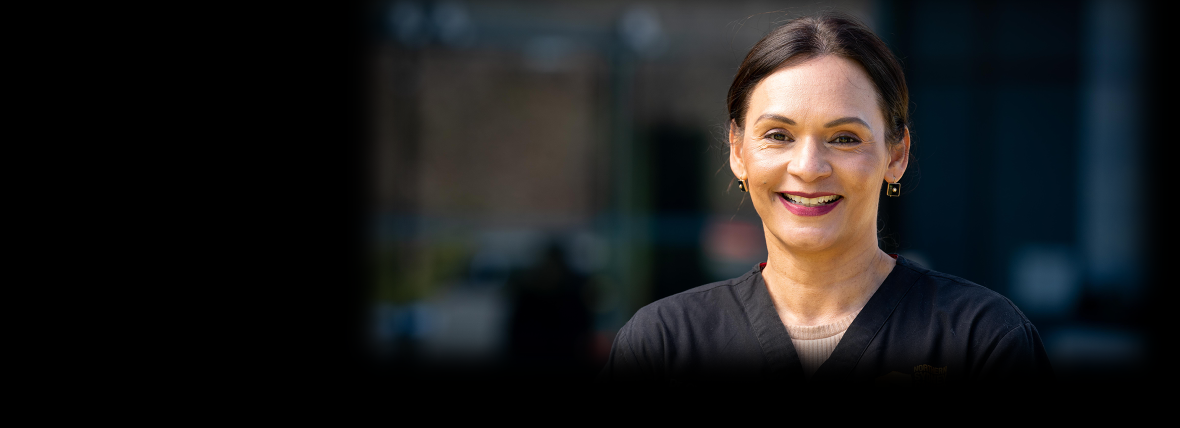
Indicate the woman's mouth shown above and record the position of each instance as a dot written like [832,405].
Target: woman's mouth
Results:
[809,207]
[811,202]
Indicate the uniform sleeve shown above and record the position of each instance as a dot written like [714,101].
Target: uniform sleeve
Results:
[631,359]
[1018,356]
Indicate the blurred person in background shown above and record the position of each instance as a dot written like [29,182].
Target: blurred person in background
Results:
[819,123]
[551,321]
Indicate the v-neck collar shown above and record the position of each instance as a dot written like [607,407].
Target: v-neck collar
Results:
[776,344]
[769,330]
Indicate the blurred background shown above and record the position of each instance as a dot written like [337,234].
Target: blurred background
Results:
[538,171]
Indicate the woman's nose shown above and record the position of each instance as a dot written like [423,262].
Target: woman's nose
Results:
[810,162]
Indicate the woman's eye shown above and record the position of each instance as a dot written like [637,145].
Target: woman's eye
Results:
[778,136]
[844,139]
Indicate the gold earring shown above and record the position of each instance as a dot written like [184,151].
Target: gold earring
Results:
[893,190]
[742,185]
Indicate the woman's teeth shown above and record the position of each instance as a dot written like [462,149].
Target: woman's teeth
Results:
[811,202]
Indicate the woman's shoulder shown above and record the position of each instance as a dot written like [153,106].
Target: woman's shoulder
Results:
[703,328]
[698,303]
[951,294]
[948,321]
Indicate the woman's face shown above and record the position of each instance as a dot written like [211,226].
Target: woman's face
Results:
[813,152]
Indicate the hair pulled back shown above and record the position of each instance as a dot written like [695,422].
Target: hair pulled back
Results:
[810,37]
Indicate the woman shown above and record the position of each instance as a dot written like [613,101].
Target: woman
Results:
[818,125]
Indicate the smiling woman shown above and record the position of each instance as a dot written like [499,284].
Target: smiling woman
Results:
[818,124]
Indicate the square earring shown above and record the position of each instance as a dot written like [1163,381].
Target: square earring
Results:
[893,190]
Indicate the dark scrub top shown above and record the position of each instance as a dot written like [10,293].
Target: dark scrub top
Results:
[919,327]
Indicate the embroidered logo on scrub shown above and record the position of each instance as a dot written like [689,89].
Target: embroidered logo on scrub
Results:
[926,373]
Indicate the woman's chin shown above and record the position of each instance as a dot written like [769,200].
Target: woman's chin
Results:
[808,240]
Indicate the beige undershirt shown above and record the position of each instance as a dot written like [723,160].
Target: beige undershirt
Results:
[815,344]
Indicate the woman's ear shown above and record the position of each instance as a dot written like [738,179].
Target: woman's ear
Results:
[899,158]
[736,164]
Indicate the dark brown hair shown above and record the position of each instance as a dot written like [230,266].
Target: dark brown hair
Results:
[810,37]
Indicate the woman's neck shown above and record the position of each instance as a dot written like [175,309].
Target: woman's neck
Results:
[818,289]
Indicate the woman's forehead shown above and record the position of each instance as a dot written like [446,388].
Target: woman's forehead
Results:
[828,86]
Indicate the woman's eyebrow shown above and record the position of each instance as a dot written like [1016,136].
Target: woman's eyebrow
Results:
[779,118]
[845,120]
